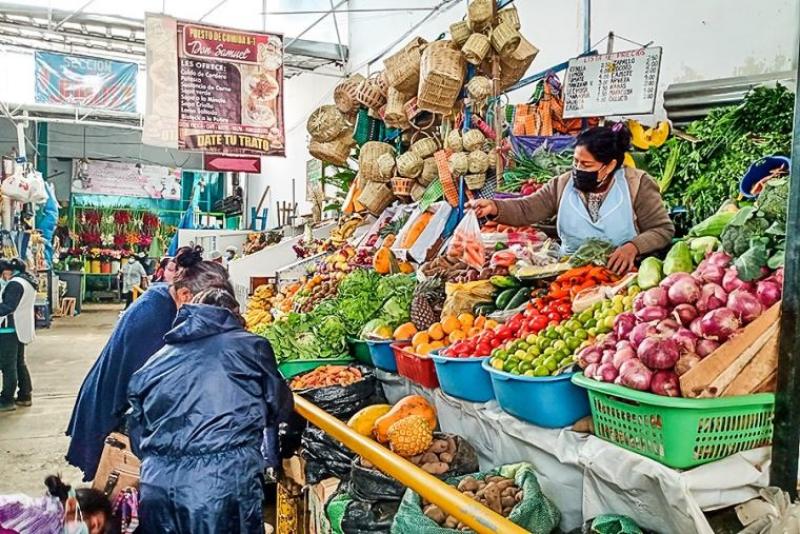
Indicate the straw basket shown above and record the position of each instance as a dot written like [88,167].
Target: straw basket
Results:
[476,48]
[395,114]
[424,147]
[401,187]
[383,83]
[430,171]
[479,88]
[505,39]
[417,190]
[479,13]
[509,16]
[514,65]
[478,162]
[473,140]
[326,123]
[453,141]
[371,93]
[442,74]
[368,159]
[460,32]
[345,94]
[335,152]
[409,165]
[402,70]
[458,163]
[386,167]
[475,181]
[376,197]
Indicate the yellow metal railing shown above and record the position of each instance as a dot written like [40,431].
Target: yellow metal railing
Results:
[476,516]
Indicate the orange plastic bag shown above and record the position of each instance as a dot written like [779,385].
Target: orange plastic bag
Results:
[467,244]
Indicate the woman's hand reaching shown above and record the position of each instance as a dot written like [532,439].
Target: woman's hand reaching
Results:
[621,260]
[483,207]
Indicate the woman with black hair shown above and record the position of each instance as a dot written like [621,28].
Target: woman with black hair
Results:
[62,510]
[102,401]
[201,407]
[16,330]
[599,198]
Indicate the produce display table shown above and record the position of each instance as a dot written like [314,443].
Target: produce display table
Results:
[586,476]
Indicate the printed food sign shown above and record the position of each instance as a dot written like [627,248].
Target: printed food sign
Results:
[230,91]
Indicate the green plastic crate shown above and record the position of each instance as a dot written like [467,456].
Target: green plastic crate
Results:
[679,432]
[359,350]
[292,368]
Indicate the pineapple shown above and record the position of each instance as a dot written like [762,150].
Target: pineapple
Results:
[426,306]
[410,436]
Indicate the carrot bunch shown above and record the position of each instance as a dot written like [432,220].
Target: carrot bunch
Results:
[572,282]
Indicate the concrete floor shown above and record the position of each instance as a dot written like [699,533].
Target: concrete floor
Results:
[32,440]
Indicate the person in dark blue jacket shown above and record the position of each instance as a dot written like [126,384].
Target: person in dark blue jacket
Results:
[103,398]
[199,410]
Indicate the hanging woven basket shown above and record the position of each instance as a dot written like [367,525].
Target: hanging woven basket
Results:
[479,88]
[453,141]
[458,163]
[460,32]
[424,147]
[509,16]
[386,167]
[395,113]
[345,94]
[478,162]
[326,123]
[402,70]
[475,181]
[514,65]
[409,165]
[505,39]
[473,140]
[476,48]
[442,72]
[371,93]
[335,152]
[417,190]
[401,187]
[368,159]
[479,13]
[376,197]
[430,171]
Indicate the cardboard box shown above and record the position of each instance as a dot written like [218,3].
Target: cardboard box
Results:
[318,495]
[294,469]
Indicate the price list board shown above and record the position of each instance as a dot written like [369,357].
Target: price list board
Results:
[622,83]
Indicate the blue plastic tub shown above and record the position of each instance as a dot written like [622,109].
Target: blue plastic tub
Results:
[464,378]
[550,402]
[382,355]
[761,169]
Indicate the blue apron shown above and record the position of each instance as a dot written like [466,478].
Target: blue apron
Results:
[614,223]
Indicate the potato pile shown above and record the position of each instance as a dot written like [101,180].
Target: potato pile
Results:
[500,494]
[435,460]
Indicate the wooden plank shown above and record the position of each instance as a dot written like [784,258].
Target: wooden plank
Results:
[694,382]
[757,371]
[769,385]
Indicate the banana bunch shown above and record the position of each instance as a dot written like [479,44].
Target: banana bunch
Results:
[345,230]
[255,318]
[259,306]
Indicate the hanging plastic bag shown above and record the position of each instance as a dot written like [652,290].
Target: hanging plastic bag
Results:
[17,186]
[467,243]
[38,192]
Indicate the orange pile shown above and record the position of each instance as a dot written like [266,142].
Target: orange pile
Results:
[449,330]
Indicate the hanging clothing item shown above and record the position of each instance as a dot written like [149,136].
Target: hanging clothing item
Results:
[615,221]
[16,309]
[103,398]
[200,407]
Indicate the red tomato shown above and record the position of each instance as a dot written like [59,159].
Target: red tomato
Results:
[483,349]
[539,323]
[495,343]
[553,316]
[564,308]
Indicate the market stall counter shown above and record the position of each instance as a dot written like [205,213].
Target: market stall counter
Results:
[586,476]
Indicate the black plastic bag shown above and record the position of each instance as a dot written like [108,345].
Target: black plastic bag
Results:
[325,457]
[348,515]
[371,485]
[344,401]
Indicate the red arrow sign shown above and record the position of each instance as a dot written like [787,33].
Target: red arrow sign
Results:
[231,163]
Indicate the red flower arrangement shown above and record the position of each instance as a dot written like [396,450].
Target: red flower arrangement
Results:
[150,220]
[122,217]
[145,240]
[92,217]
[120,240]
[90,238]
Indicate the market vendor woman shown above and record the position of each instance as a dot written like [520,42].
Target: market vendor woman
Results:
[598,199]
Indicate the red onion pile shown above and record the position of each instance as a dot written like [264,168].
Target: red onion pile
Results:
[677,324]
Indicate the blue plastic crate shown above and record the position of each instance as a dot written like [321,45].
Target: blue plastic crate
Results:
[464,378]
[382,355]
[550,401]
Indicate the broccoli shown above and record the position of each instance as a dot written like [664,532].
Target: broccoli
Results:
[745,225]
[773,200]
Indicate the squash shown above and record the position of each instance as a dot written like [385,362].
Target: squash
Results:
[363,420]
[385,262]
[646,138]
[416,229]
[659,134]
[638,137]
[406,267]
[411,405]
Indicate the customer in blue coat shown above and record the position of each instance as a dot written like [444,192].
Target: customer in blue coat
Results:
[200,407]
[103,398]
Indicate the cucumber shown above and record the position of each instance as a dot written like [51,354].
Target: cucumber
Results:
[520,297]
[504,282]
[484,308]
[505,297]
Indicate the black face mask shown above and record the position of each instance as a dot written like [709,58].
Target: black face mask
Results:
[585,181]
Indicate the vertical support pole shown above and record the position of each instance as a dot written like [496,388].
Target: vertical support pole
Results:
[498,121]
[786,438]
[21,140]
[587,25]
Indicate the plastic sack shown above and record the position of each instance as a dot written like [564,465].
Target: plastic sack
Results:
[343,401]
[467,243]
[428,238]
[371,485]
[19,512]
[38,192]
[325,457]
[17,186]
[348,515]
[462,297]
[535,513]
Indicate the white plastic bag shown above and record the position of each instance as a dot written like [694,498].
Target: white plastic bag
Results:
[467,244]
[17,186]
[38,190]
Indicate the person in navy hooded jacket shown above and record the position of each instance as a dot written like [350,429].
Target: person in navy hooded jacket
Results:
[200,409]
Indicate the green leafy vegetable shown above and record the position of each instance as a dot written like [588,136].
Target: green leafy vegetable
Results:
[737,233]
[595,251]
[773,200]
[749,264]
